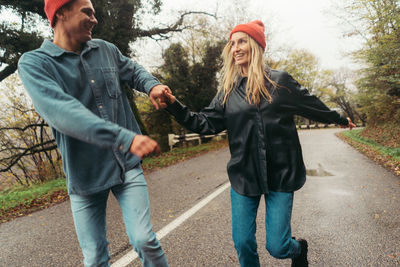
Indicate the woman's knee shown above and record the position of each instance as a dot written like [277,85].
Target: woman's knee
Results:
[278,250]
[244,243]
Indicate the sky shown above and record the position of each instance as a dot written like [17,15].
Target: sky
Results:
[305,24]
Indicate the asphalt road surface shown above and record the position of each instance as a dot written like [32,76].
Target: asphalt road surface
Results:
[348,211]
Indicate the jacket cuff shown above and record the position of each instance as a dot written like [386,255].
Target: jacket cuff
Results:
[175,108]
[124,140]
[343,121]
[149,85]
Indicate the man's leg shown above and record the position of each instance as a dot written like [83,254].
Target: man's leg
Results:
[134,201]
[277,222]
[244,213]
[89,213]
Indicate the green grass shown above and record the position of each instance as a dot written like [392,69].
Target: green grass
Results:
[24,195]
[355,135]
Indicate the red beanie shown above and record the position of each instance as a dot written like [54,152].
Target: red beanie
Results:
[255,29]
[51,7]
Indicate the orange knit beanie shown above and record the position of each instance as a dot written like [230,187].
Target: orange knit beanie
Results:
[51,7]
[254,28]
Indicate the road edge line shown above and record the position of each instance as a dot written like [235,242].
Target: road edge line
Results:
[132,255]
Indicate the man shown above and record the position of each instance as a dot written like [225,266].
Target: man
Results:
[74,83]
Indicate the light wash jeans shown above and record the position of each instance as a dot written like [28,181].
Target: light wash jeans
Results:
[89,214]
[277,223]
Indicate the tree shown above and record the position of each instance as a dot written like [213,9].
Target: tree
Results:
[27,150]
[193,83]
[338,92]
[204,79]
[17,38]
[304,67]
[379,82]
[191,65]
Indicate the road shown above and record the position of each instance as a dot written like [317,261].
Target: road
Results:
[348,210]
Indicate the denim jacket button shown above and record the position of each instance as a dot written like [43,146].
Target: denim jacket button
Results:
[121,147]
[101,106]
[92,81]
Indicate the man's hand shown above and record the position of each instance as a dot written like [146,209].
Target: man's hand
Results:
[158,96]
[351,124]
[142,146]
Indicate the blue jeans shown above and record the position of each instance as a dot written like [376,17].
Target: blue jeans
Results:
[89,214]
[277,223]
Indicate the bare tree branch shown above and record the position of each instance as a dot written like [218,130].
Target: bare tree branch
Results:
[24,128]
[175,27]
[29,151]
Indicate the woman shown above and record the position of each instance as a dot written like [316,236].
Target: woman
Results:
[256,106]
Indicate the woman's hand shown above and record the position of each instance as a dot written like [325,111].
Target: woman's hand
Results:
[169,97]
[351,125]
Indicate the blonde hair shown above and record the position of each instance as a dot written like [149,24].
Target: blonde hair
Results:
[255,87]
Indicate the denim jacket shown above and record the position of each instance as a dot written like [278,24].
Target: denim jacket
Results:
[265,148]
[80,97]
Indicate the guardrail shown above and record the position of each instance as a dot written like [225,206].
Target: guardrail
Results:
[174,138]
[316,125]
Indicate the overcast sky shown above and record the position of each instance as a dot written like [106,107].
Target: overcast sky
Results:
[307,24]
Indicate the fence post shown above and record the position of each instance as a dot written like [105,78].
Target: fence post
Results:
[171,141]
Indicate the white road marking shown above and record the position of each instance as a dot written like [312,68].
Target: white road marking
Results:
[132,255]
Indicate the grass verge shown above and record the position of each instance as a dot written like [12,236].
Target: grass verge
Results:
[388,157]
[22,200]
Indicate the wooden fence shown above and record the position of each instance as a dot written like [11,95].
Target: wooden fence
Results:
[174,138]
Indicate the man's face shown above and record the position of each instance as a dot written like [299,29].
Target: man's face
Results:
[79,21]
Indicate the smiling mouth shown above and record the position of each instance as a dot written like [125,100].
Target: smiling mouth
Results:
[237,57]
[89,31]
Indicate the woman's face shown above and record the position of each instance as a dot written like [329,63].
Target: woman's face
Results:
[240,48]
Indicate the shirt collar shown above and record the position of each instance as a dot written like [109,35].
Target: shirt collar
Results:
[240,79]
[55,51]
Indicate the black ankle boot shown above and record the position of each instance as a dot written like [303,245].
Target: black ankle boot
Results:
[301,260]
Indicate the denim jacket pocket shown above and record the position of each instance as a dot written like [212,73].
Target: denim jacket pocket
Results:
[111,81]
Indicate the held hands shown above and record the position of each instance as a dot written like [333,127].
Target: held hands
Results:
[142,146]
[170,97]
[161,96]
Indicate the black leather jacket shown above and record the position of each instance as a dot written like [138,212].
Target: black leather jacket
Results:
[263,141]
